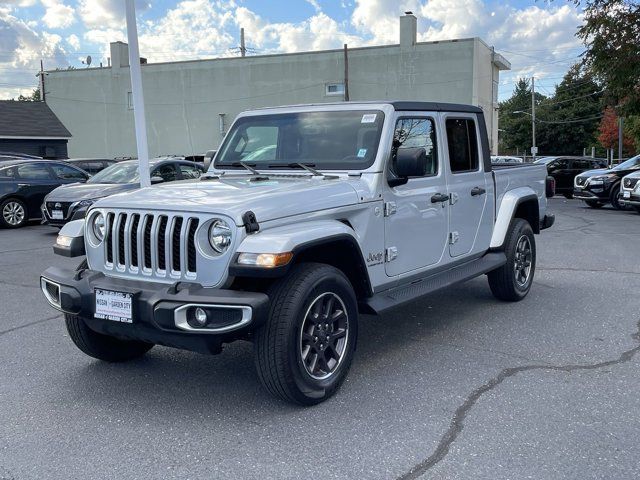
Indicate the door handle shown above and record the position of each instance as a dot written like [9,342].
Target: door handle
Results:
[475,191]
[439,198]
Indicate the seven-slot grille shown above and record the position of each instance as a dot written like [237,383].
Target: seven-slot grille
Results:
[163,245]
[580,181]
[630,183]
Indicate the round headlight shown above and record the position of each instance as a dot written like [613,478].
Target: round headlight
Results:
[220,236]
[98,226]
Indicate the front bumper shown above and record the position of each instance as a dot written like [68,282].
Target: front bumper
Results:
[632,201]
[74,213]
[158,309]
[600,195]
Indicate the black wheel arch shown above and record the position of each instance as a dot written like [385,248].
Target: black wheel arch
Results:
[528,209]
[340,251]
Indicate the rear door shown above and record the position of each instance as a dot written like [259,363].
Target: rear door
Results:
[415,226]
[470,211]
[35,180]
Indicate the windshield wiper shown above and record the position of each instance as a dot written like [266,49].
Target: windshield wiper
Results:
[306,166]
[256,175]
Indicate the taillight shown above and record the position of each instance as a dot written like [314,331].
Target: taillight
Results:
[550,187]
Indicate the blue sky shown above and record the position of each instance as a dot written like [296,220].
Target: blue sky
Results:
[536,36]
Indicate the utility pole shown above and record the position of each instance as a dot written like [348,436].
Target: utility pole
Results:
[138,97]
[620,135]
[42,94]
[534,149]
[346,74]
[243,48]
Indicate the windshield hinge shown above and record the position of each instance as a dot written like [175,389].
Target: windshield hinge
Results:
[390,208]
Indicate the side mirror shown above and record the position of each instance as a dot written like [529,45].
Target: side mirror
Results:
[156,179]
[409,162]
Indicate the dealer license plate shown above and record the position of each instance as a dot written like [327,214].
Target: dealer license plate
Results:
[626,194]
[57,215]
[115,306]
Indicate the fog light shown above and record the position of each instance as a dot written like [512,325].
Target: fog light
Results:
[200,316]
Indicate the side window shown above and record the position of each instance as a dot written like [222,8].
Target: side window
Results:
[167,172]
[189,171]
[561,164]
[8,172]
[581,164]
[463,145]
[417,133]
[33,171]
[65,172]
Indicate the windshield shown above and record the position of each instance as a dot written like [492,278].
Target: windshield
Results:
[633,162]
[338,140]
[545,160]
[125,172]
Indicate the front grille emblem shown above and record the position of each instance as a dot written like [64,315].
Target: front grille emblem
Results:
[58,205]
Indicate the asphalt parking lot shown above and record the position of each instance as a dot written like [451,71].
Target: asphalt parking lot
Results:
[456,386]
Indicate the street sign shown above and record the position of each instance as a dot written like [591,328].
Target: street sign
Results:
[534,150]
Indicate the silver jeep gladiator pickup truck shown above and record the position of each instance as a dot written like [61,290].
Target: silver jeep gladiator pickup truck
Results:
[309,216]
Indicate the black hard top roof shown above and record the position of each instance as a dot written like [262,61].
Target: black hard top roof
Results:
[434,107]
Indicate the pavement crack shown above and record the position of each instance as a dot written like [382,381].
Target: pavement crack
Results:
[25,250]
[14,284]
[586,270]
[457,422]
[25,325]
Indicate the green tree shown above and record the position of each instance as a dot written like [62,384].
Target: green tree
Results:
[565,116]
[515,128]
[611,33]
[34,97]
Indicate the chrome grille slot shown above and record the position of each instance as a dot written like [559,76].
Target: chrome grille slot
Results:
[191,245]
[156,245]
[162,243]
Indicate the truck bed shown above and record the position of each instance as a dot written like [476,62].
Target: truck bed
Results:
[510,177]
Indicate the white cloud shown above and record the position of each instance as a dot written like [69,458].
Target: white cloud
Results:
[74,41]
[101,14]
[57,14]
[316,6]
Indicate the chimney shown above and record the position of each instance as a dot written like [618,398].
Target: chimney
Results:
[408,30]
[119,55]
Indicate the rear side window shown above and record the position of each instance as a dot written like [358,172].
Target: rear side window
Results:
[463,145]
[7,172]
[33,171]
[65,172]
[417,132]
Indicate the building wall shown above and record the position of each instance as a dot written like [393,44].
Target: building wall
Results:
[183,100]
[53,149]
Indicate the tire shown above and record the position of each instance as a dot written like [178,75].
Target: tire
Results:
[636,208]
[568,196]
[13,213]
[615,191]
[594,204]
[510,283]
[293,329]
[103,347]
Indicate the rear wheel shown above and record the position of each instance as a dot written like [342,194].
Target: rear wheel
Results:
[594,204]
[304,351]
[13,213]
[513,280]
[636,208]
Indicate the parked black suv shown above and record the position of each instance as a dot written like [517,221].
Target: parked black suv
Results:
[24,184]
[599,187]
[564,170]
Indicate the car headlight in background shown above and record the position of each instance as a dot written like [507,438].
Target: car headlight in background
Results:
[98,226]
[220,236]
[85,203]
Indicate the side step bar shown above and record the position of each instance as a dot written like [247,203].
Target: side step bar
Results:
[402,294]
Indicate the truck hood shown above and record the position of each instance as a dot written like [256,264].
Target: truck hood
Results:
[88,191]
[279,196]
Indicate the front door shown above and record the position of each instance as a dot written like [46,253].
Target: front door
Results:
[415,227]
[469,215]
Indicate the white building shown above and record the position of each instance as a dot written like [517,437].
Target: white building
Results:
[190,104]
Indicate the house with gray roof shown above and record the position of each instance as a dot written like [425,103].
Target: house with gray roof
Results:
[32,128]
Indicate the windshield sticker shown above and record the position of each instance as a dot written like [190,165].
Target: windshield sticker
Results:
[368,118]
[362,152]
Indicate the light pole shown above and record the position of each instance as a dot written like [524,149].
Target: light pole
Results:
[534,149]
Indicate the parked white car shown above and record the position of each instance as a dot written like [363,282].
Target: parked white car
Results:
[498,159]
[630,191]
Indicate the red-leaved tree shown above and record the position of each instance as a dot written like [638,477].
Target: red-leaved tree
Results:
[608,136]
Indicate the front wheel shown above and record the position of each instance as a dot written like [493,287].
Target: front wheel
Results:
[513,280]
[103,347]
[615,202]
[568,196]
[304,350]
